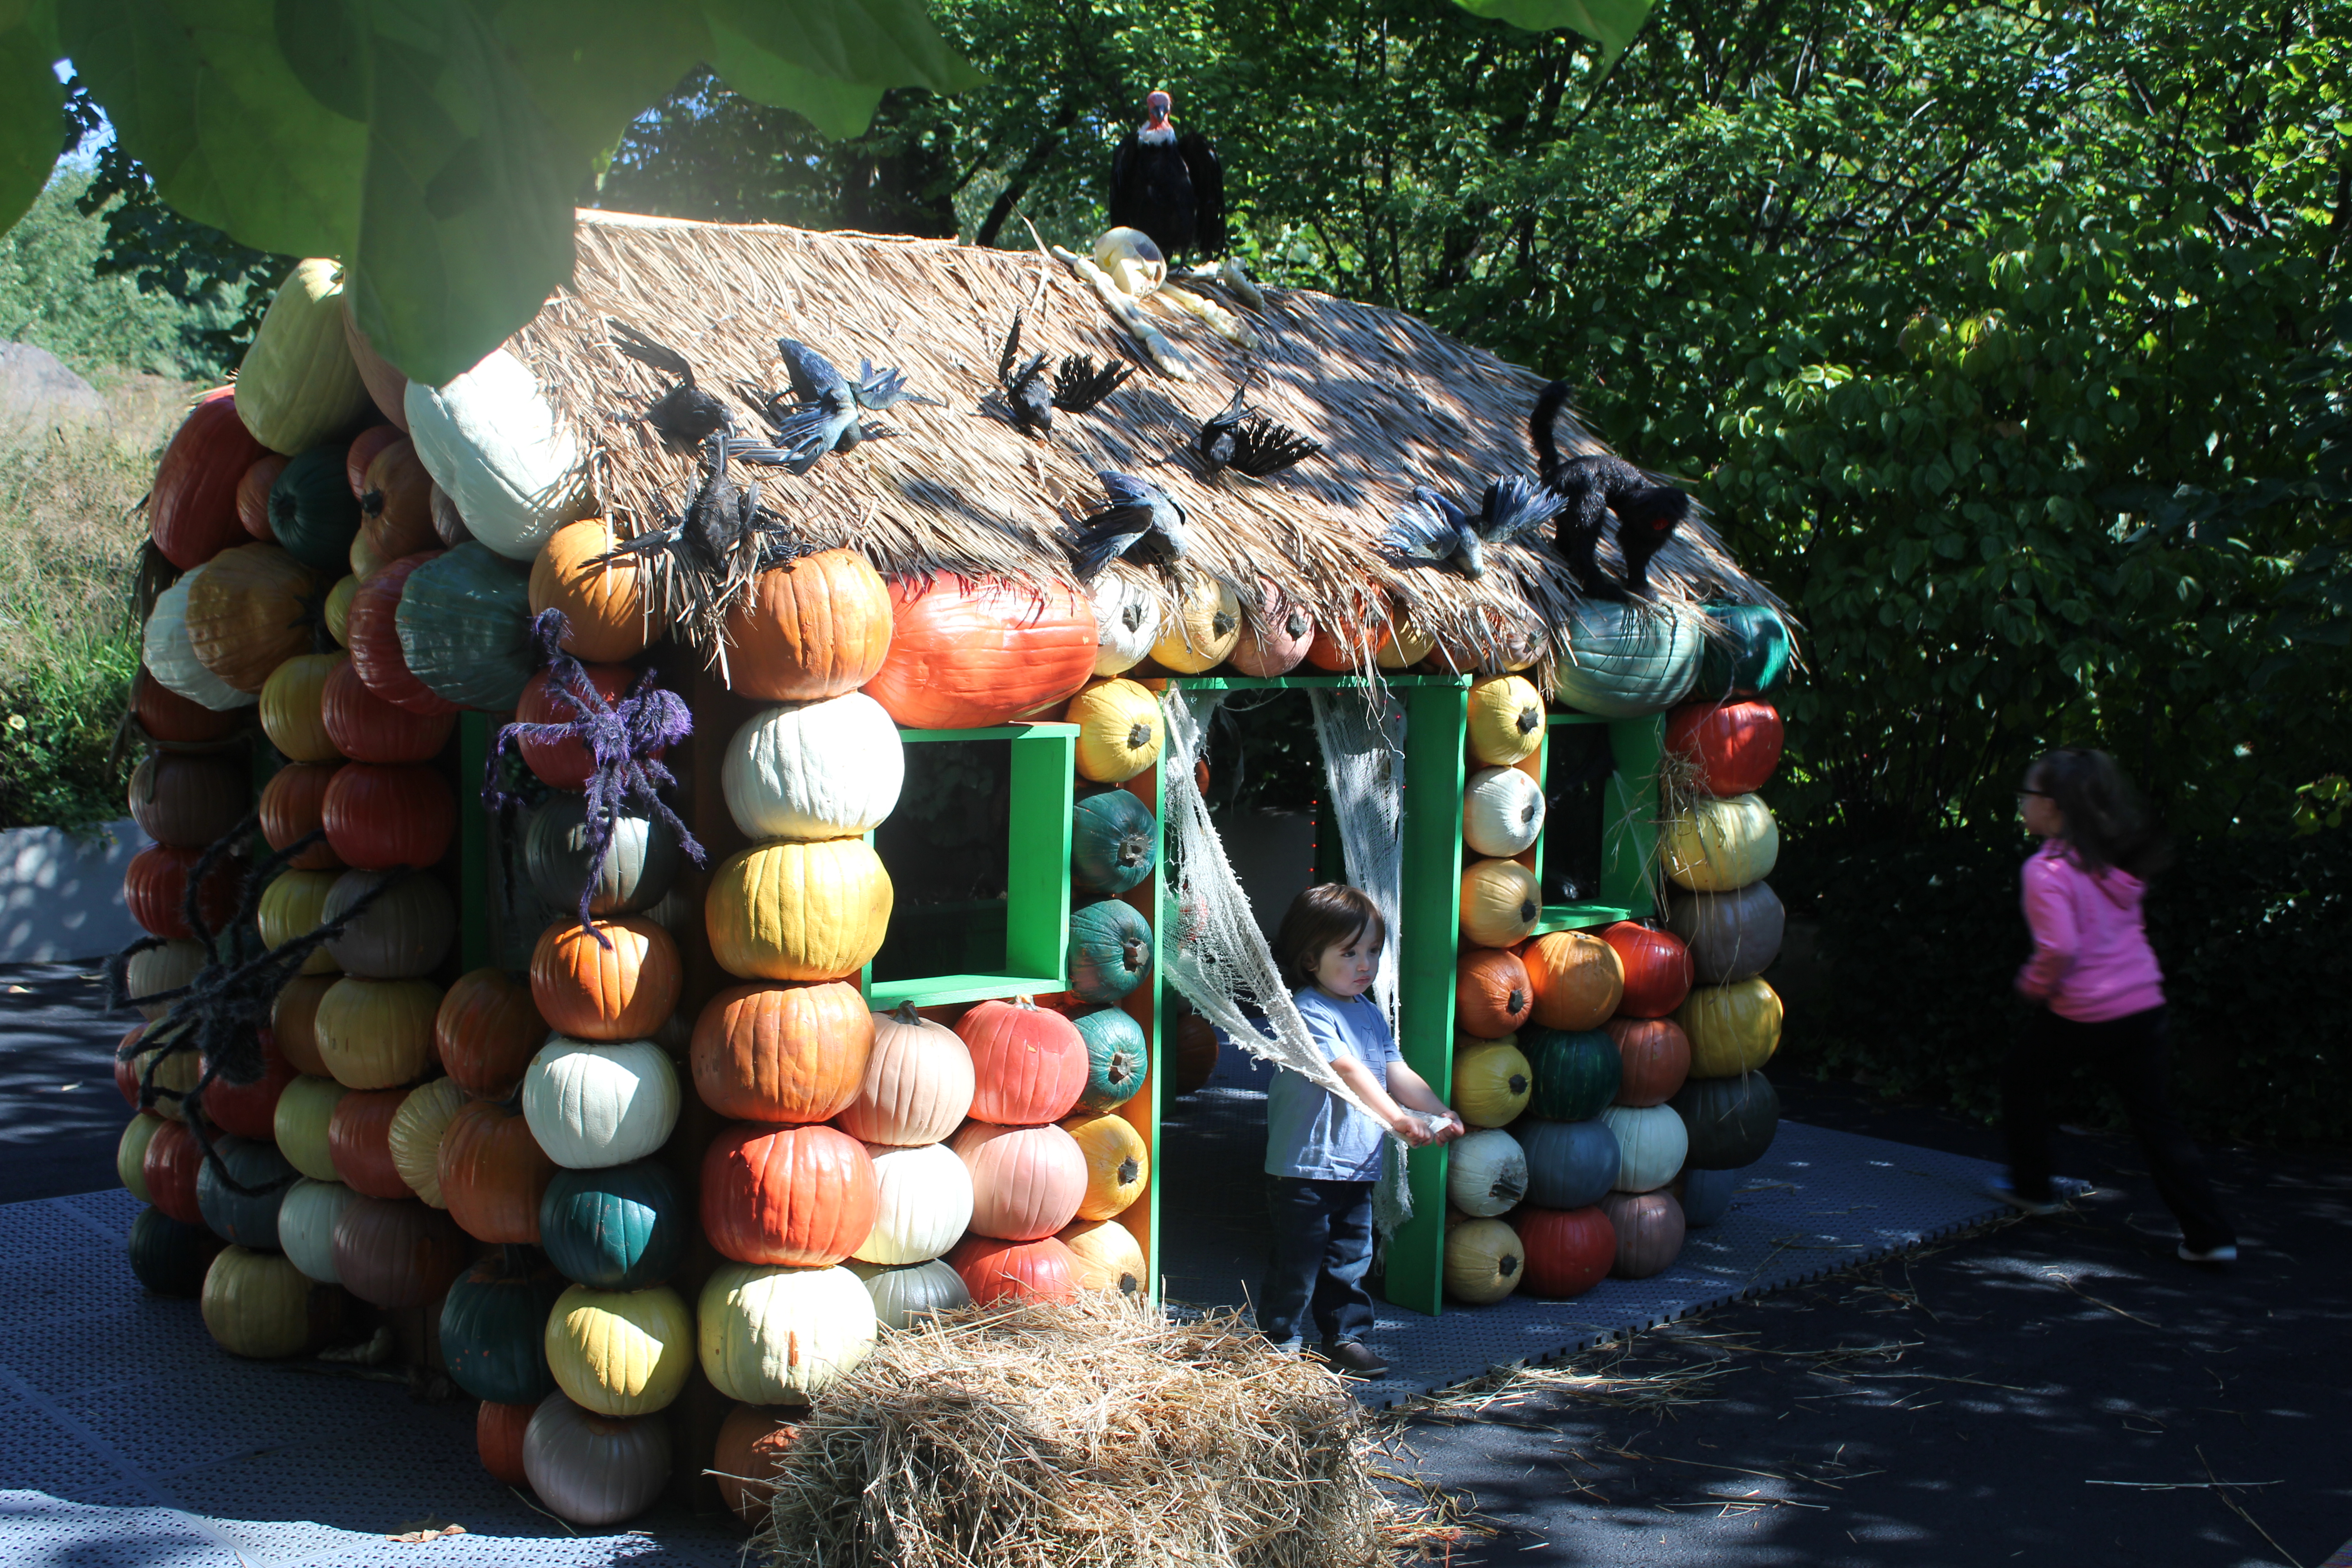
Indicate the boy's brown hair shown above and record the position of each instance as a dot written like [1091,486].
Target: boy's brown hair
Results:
[1325,916]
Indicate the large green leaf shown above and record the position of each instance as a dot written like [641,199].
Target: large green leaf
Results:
[866,43]
[838,108]
[29,99]
[1612,22]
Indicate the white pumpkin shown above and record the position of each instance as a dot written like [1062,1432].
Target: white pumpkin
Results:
[924,1204]
[298,384]
[901,1296]
[1127,622]
[814,770]
[1502,812]
[593,1106]
[1652,1143]
[1483,1261]
[306,1226]
[592,1468]
[1486,1174]
[164,649]
[782,1336]
[496,449]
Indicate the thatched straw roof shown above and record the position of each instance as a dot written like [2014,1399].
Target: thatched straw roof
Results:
[957,488]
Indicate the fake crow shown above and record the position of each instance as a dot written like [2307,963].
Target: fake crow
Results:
[1139,513]
[702,562]
[1435,528]
[1078,384]
[824,414]
[1172,187]
[1593,487]
[1245,440]
[684,415]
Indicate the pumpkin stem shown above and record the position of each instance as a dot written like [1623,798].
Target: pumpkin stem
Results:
[1138,737]
[371,504]
[1529,721]
[905,1014]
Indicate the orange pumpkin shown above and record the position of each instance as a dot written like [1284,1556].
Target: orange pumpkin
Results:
[395,500]
[1492,995]
[590,991]
[155,888]
[493,1174]
[565,764]
[359,1142]
[1029,1066]
[1578,979]
[797,1198]
[293,806]
[487,1032]
[250,612]
[993,1270]
[367,729]
[604,601]
[294,1021]
[752,1444]
[918,1084]
[1657,964]
[362,451]
[253,496]
[968,655]
[783,1052]
[497,1440]
[819,628]
[1653,1057]
[1349,650]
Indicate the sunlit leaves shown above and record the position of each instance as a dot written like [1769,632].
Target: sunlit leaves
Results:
[1612,22]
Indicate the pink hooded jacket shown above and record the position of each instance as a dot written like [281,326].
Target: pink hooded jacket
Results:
[2091,959]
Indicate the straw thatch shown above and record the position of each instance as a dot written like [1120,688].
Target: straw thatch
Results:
[1097,1435]
[958,490]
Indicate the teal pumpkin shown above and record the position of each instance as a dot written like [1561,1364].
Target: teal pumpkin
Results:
[1114,842]
[465,628]
[1747,651]
[1117,1055]
[494,1327]
[1109,952]
[642,857]
[623,1228]
[1705,1196]
[312,512]
[1731,1120]
[1570,1163]
[1627,659]
[170,1256]
[247,1219]
[1576,1074]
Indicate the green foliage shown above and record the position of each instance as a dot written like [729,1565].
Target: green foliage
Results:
[54,292]
[58,765]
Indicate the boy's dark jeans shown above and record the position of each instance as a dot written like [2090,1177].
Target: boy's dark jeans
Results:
[2132,1055]
[1322,1249]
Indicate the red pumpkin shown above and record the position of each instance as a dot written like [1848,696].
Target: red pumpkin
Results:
[191,510]
[155,885]
[965,655]
[367,729]
[1028,1065]
[294,805]
[993,1270]
[189,801]
[1026,1182]
[1733,746]
[250,1110]
[126,1069]
[498,1440]
[565,765]
[493,1172]
[1568,1251]
[170,1168]
[1657,965]
[487,1032]
[1492,995]
[378,817]
[751,1447]
[1654,1055]
[362,451]
[359,1142]
[172,720]
[253,497]
[781,1052]
[397,1252]
[799,1197]
[622,987]
[372,634]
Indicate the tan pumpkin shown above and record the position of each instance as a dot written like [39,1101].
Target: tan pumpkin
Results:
[257,1304]
[249,611]
[798,911]
[1119,731]
[917,1085]
[293,707]
[374,1034]
[1407,643]
[604,601]
[416,1129]
[301,1122]
[1500,903]
[1506,720]
[1118,1162]
[1721,845]
[294,1021]
[338,611]
[1200,632]
[1108,1257]
[157,971]
[816,628]
[783,1053]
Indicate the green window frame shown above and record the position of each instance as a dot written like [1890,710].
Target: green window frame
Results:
[1629,827]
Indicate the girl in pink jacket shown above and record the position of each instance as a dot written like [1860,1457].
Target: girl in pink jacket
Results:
[2100,993]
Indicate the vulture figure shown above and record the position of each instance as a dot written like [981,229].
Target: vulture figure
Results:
[1169,186]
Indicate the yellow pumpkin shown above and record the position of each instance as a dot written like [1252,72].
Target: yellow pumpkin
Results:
[258,1304]
[130,1155]
[1492,1081]
[178,1072]
[1721,845]
[339,609]
[1119,731]
[620,1353]
[1407,643]
[1108,1258]
[293,712]
[798,911]
[305,1106]
[299,384]
[1483,1261]
[1500,903]
[416,1135]
[248,613]
[375,1034]
[363,557]
[295,905]
[1118,1162]
[1733,1029]
[1201,630]
[1506,720]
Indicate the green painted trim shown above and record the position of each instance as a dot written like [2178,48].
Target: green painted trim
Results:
[1163,911]
[1310,682]
[937,990]
[1628,804]
[473,841]
[1437,720]
[1579,917]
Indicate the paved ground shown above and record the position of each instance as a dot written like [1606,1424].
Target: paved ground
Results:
[60,1114]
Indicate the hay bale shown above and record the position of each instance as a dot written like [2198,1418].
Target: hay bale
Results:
[1100,1434]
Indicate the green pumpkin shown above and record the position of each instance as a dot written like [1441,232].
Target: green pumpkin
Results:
[1570,1163]
[1577,1074]
[311,510]
[1117,1055]
[465,628]
[1628,660]
[247,1219]
[494,1329]
[1109,952]
[1731,1120]
[644,858]
[623,1228]
[170,1256]
[1114,842]
[1747,653]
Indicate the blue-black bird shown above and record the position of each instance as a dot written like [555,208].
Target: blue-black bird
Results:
[1078,384]
[1138,514]
[1244,439]
[1435,528]
[684,416]
[824,414]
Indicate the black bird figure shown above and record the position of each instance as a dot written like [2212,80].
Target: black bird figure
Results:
[702,562]
[684,415]
[1435,528]
[1244,439]
[1169,186]
[1594,486]
[824,413]
[1078,384]
[1513,505]
[1139,513]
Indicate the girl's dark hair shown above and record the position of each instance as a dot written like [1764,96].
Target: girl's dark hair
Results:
[1327,915]
[2107,824]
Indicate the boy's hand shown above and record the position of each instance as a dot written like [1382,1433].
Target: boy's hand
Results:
[1415,1132]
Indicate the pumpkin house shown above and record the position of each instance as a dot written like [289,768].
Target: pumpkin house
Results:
[639,981]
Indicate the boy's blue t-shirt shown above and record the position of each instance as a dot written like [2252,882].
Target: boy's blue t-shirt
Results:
[1309,1132]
